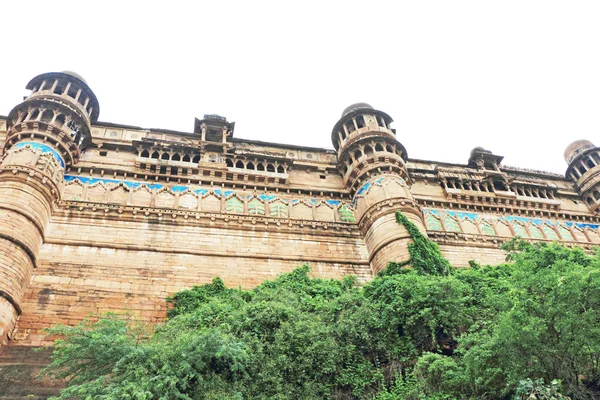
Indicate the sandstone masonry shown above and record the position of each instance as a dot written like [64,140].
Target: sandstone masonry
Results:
[98,217]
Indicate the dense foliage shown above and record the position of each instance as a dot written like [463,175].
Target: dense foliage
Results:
[425,255]
[527,329]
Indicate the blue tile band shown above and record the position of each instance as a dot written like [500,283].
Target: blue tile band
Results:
[44,148]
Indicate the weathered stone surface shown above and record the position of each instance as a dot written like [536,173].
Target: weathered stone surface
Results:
[97,217]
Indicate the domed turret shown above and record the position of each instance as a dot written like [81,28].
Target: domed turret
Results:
[59,110]
[362,134]
[372,163]
[583,158]
[577,147]
[45,135]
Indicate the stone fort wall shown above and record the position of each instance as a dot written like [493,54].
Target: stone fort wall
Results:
[135,215]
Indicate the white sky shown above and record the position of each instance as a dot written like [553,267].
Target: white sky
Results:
[520,78]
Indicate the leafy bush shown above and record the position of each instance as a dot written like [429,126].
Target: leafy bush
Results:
[427,332]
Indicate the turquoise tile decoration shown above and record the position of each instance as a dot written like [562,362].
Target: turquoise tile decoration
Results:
[538,228]
[279,208]
[44,148]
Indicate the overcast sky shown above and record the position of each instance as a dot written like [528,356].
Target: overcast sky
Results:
[520,78]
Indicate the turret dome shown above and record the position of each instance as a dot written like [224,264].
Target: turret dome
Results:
[576,148]
[75,74]
[356,106]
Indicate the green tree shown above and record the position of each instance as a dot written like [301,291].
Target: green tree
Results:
[426,332]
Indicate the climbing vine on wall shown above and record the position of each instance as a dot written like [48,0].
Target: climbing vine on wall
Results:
[425,255]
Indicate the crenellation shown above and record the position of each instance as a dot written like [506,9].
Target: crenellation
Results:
[98,217]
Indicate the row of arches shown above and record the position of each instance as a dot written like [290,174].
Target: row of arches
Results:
[64,87]
[358,122]
[256,165]
[231,163]
[584,164]
[593,196]
[51,116]
[47,115]
[496,185]
[532,191]
[364,151]
[170,156]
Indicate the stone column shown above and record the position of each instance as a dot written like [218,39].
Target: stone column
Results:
[31,176]
[36,154]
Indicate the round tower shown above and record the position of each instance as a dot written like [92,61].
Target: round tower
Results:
[45,135]
[584,169]
[372,163]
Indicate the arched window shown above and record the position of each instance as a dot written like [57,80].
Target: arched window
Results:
[369,151]
[389,149]
[60,120]
[145,153]
[270,168]
[596,195]
[499,185]
[239,164]
[24,116]
[164,156]
[60,88]
[34,114]
[590,201]
[590,163]
[378,147]
[229,163]
[250,165]
[155,155]
[350,127]
[280,169]
[357,154]
[186,158]
[260,167]
[176,157]
[72,91]
[582,169]
[196,158]
[360,121]
[47,116]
